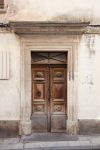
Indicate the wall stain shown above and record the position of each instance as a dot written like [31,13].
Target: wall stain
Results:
[75,15]
[90,42]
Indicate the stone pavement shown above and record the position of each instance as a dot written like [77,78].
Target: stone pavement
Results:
[82,143]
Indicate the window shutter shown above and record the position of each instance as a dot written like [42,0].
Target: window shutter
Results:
[1,4]
[4,65]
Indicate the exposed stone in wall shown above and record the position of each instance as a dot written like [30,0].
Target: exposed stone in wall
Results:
[11,9]
[5,30]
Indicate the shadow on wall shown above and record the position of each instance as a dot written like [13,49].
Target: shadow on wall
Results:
[77,15]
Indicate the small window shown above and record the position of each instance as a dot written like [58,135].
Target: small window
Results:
[1,4]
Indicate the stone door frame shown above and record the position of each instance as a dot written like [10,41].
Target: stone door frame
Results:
[70,46]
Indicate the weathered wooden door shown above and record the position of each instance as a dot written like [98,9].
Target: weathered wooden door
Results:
[49,98]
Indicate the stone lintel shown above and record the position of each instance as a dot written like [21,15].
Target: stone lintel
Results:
[28,27]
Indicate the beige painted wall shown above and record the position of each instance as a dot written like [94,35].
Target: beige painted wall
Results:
[52,10]
[89,77]
[10,89]
[89,55]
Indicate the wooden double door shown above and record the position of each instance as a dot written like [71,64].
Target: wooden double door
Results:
[49,98]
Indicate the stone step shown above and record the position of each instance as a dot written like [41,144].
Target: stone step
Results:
[61,145]
[70,145]
[83,142]
[66,148]
[49,137]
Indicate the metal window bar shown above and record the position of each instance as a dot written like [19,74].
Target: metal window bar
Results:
[37,57]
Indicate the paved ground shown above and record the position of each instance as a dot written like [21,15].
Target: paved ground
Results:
[83,142]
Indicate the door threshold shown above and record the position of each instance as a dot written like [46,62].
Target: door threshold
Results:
[36,137]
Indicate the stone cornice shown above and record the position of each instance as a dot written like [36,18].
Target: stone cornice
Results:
[93,29]
[28,27]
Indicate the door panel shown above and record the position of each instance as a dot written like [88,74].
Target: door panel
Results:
[58,99]
[49,98]
[39,99]
[58,123]
[58,91]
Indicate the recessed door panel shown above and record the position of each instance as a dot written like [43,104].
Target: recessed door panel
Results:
[58,98]
[58,90]
[49,98]
[39,90]
[39,99]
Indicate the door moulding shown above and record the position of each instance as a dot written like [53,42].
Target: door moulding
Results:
[27,46]
[50,39]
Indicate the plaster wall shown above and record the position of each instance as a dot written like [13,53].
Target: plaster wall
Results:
[10,89]
[73,11]
[52,10]
[89,77]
